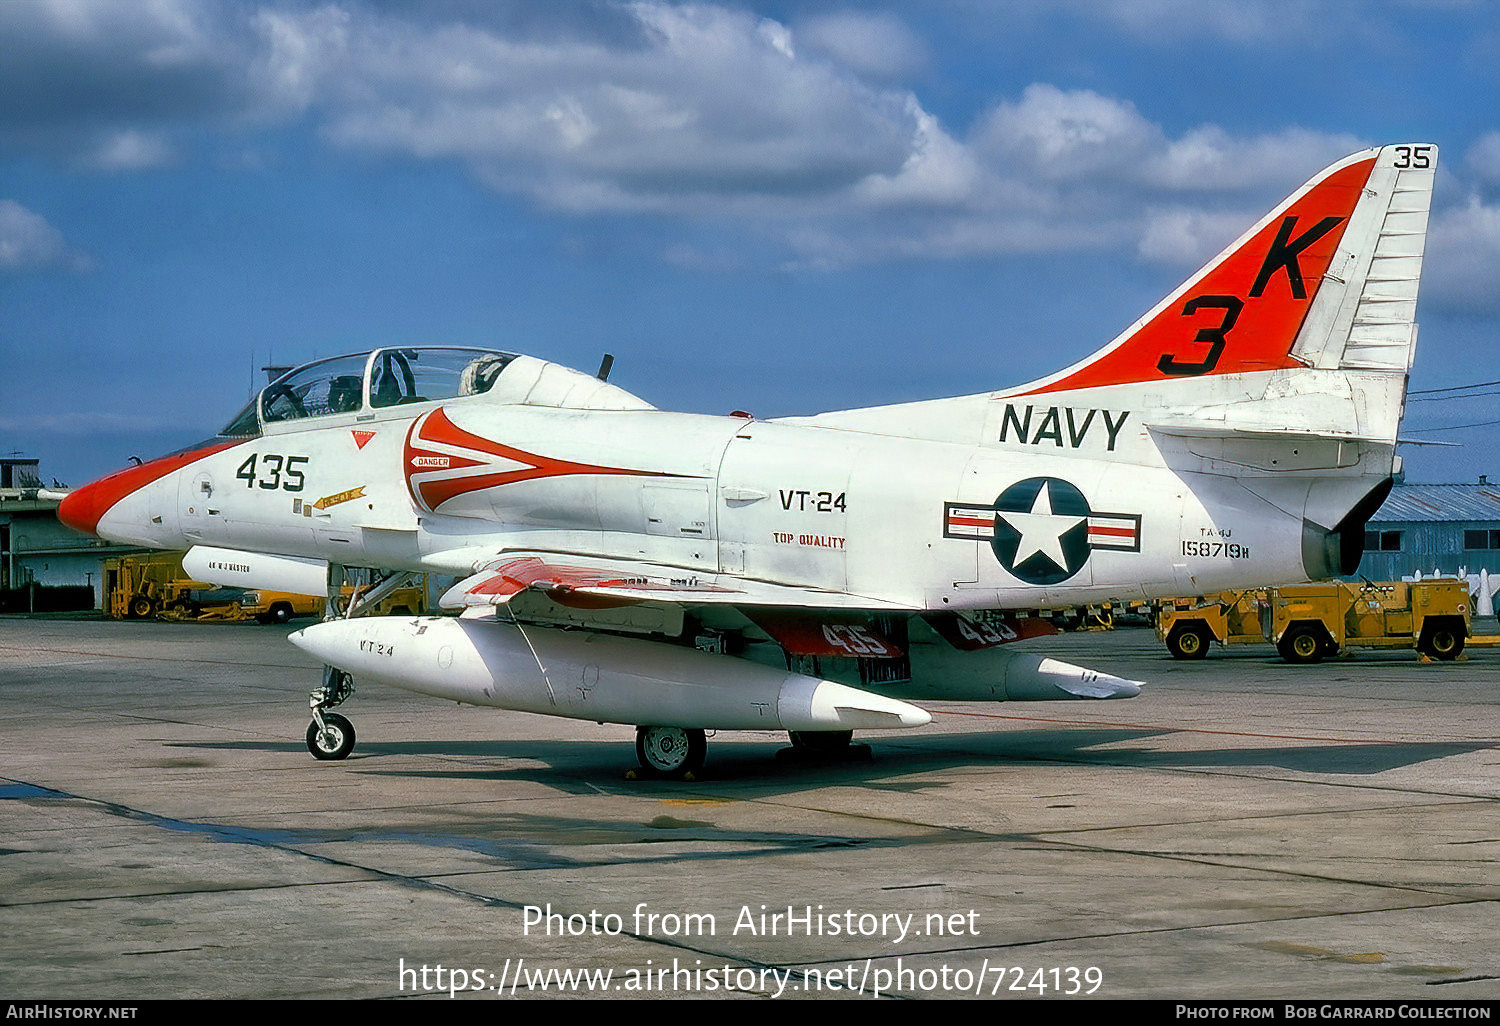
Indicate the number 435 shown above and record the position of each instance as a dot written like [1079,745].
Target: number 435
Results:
[276,471]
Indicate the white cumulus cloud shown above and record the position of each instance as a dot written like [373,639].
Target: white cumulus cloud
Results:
[879,46]
[131,150]
[1462,265]
[699,106]
[29,242]
[789,134]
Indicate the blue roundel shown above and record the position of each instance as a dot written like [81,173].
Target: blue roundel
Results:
[1042,530]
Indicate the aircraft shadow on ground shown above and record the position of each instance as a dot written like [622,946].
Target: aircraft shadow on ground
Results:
[901,764]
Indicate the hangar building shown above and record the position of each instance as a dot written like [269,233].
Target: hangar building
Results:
[1427,527]
[35,547]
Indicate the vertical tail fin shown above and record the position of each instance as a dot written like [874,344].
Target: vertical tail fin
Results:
[1327,280]
[1283,363]
[1303,327]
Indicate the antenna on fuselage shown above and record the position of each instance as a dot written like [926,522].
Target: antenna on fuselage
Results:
[604,366]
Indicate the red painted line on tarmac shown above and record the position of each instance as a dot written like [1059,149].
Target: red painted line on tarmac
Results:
[1174,729]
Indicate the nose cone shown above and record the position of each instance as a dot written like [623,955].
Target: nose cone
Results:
[85,507]
[82,507]
[849,708]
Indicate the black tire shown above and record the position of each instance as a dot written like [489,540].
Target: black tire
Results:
[821,742]
[1304,644]
[141,606]
[670,751]
[335,742]
[1442,641]
[281,612]
[1189,640]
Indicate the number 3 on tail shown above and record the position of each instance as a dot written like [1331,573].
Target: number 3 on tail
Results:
[1231,305]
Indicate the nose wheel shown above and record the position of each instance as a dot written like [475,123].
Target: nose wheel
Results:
[329,735]
[334,739]
[670,751]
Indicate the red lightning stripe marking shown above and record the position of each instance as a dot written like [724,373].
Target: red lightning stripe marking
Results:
[436,428]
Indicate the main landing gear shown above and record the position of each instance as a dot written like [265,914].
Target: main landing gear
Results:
[673,752]
[821,746]
[677,753]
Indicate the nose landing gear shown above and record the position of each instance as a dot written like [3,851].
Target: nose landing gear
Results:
[329,735]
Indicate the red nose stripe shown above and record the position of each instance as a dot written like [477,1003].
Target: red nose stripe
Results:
[84,506]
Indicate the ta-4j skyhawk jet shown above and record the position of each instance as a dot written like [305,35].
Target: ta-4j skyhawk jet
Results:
[816,575]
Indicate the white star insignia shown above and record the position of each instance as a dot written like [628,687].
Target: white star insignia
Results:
[1041,530]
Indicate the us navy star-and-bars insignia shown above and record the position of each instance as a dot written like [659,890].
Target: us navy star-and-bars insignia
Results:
[1042,529]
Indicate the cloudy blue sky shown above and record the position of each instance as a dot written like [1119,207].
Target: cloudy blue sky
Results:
[778,207]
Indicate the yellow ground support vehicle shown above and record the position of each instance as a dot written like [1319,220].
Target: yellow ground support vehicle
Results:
[408,601]
[1231,618]
[277,607]
[1309,622]
[154,585]
[144,585]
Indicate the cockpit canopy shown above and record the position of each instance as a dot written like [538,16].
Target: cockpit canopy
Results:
[365,382]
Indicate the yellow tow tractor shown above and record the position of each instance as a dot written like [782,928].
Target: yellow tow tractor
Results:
[1309,622]
[136,587]
[1231,618]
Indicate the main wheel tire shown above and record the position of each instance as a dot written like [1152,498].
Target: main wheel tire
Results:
[335,741]
[1189,640]
[821,742]
[670,751]
[141,607]
[1303,645]
[1441,642]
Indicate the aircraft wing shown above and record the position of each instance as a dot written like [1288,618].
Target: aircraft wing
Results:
[598,582]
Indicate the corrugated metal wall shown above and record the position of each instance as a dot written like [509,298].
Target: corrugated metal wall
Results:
[1428,546]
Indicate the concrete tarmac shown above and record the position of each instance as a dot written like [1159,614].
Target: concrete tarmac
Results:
[1244,829]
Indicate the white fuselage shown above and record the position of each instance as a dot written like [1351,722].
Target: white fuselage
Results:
[926,524]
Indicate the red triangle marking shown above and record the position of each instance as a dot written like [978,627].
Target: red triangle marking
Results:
[361,437]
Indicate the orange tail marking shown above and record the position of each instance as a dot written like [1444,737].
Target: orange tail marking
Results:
[1244,312]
